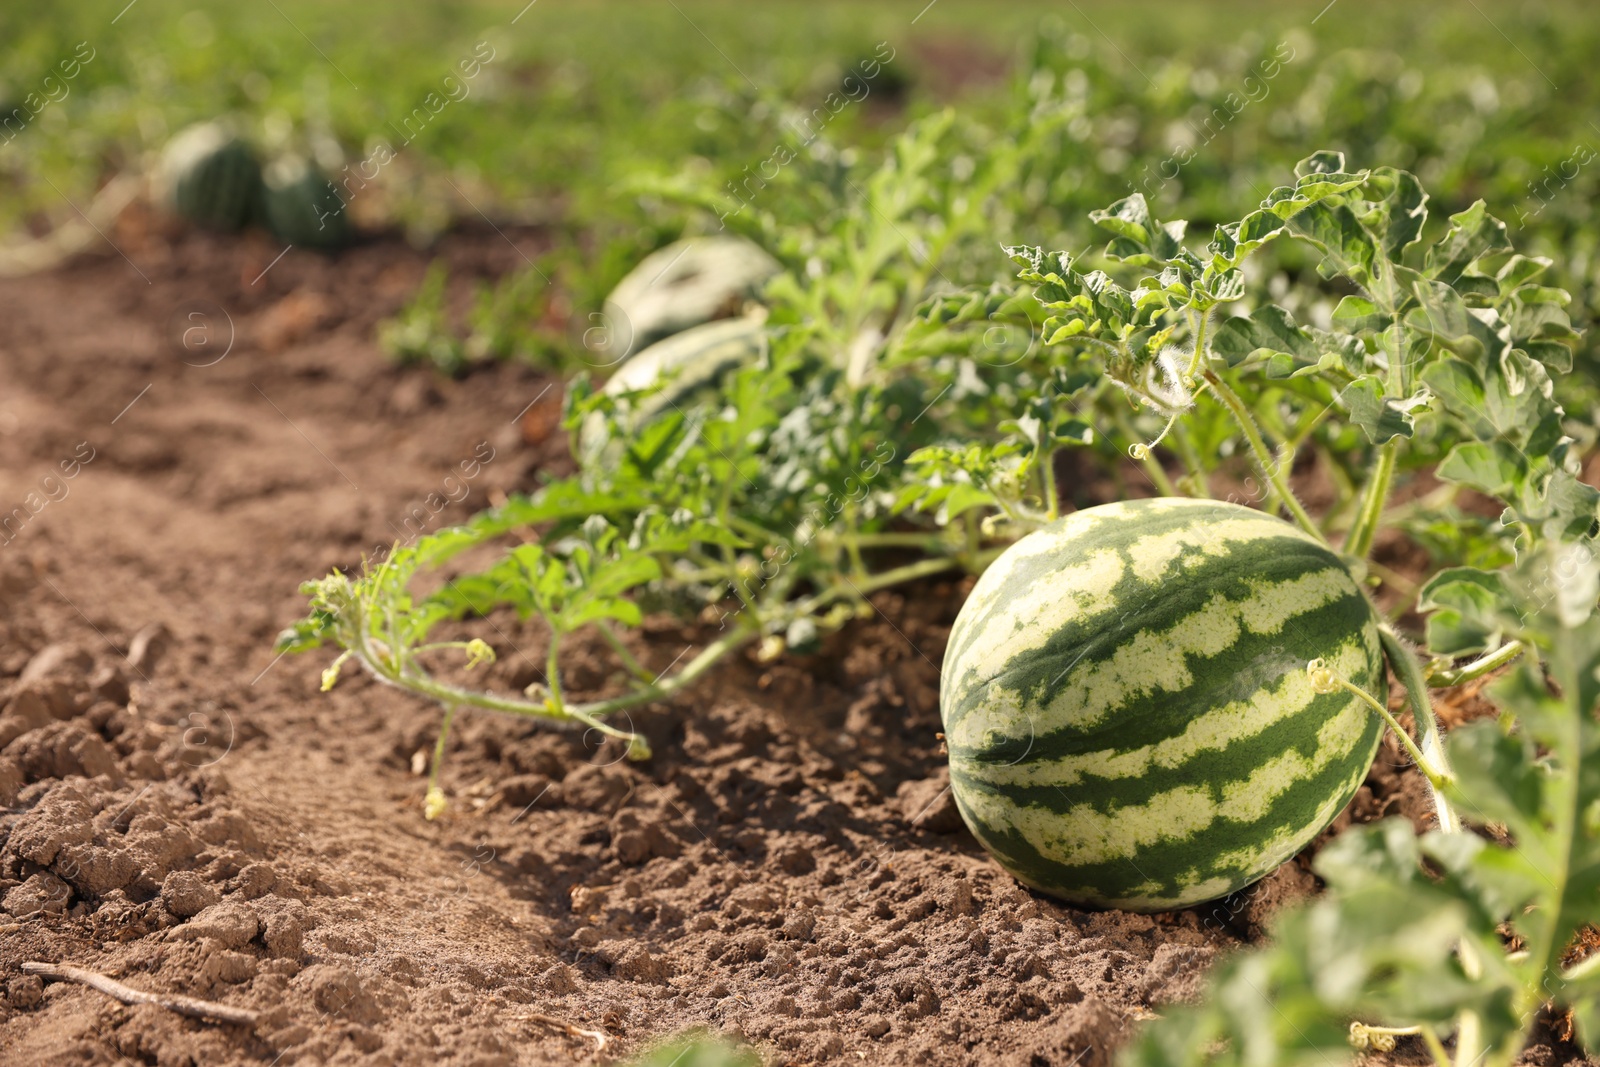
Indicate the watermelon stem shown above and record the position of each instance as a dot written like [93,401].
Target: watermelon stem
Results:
[1324,679]
[629,663]
[433,804]
[1373,498]
[1381,1039]
[1409,669]
[1052,503]
[1199,348]
[1446,677]
[1270,468]
[1197,485]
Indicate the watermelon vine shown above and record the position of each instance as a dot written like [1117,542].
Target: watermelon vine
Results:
[902,416]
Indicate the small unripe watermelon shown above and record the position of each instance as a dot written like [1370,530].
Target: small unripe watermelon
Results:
[302,206]
[1127,707]
[211,177]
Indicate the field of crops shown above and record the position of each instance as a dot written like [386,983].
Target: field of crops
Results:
[699,535]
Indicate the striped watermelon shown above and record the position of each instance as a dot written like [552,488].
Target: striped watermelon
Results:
[688,363]
[211,177]
[1127,707]
[689,282]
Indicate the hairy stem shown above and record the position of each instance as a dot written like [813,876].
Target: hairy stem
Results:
[433,802]
[1264,458]
[629,663]
[928,541]
[552,669]
[1430,754]
[1447,677]
[1052,507]
[909,572]
[439,745]
[1196,477]
[1373,498]
[1199,347]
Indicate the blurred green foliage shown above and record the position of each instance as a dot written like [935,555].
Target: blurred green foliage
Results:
[551,113]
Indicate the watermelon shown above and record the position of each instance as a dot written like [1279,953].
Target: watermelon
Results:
[686,365]
[687,283]
[1127,707]
[302,206]
[210,177]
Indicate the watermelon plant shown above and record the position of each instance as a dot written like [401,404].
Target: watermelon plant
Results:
[1046,712]
[1148,704]
[1440,350]
[766,499]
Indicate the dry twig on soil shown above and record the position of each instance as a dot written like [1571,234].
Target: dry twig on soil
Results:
[190,1006]
[597,1036]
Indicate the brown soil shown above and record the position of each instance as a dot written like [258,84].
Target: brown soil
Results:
[189,815]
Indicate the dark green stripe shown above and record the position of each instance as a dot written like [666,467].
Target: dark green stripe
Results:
[1252,663]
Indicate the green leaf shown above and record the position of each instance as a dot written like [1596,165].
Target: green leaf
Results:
[1348,248]
[1234,242]
[1074,432]
[1467,610]
[1473,234]
[1357,314]
[1285,200]
[1554,355]
[1442,315]
[1380,416]
[1461,392]
[1325,161]
[1492,467]
[1400,213]
[1519,270]
[1384,853]
[1139,237]
[1268,332]
[1496,778]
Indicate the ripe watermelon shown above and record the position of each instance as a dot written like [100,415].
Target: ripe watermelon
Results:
[211,177]
[1127,707]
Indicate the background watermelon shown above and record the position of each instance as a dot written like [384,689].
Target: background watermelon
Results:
[211,177]
[1125,699]
[688,362]
[302,206]
[678,287]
